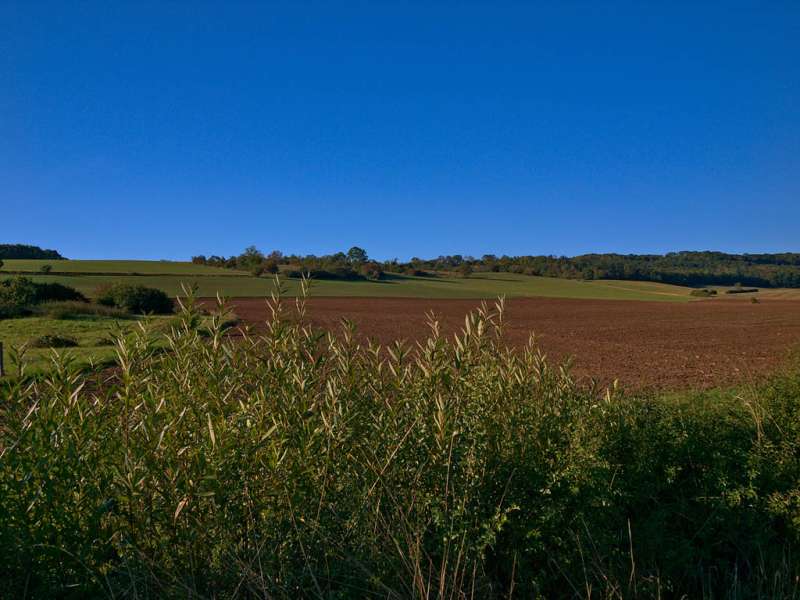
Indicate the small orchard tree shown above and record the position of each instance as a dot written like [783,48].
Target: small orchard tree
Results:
[271,266]
[371,270]
[357,256]
[250,257]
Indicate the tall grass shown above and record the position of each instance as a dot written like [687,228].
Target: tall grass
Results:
[290,464]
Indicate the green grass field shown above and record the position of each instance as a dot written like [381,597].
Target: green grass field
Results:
[478,286]
[92,334]
[143,267]
[169,276]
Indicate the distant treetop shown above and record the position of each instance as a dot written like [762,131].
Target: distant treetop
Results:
[24,251]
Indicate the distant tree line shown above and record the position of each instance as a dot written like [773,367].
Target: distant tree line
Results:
[680,268]
[23,251]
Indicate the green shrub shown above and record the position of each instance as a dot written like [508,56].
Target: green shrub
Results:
[53,341]
[293,465]
[271,266]
[136,299]
[56,292]
[17,295]
[371,270]
[703,293]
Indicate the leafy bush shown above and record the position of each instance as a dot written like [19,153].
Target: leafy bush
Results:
[741,290]
[17,295]
[371,270]
[56,292]
[137,299]
[54,341]
[290,465]
[334,273]
[271,266]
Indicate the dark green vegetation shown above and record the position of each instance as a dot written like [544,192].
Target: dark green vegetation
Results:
[36,317]
[703,293]
[54,341]
[677,268]
[23,251]
[290,465]
[135,299]
[19,295]
[355,265]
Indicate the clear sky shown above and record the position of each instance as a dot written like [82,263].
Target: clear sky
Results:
[163,130]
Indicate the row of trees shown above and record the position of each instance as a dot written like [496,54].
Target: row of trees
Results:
[681,268]
[355,264]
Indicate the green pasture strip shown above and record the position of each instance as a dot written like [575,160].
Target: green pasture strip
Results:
[484,285]
[116,267]
[93,334]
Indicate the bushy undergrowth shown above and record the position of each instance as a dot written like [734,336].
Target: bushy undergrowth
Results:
[54,341]
[291,464]
[19,295]
[75,310]
[703,292]
[138,299]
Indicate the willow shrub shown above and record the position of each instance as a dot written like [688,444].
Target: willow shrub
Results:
[295,464]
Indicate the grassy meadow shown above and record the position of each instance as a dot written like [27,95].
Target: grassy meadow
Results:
[291,465]
[141,267]
[94,336]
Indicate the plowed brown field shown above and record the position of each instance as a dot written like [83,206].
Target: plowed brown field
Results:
[643,344]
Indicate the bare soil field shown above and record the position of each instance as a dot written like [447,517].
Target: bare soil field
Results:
[643,344]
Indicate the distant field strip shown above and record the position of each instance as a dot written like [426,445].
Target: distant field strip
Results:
[117,267]
[233,284]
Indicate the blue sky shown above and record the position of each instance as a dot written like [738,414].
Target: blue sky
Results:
[163,130]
